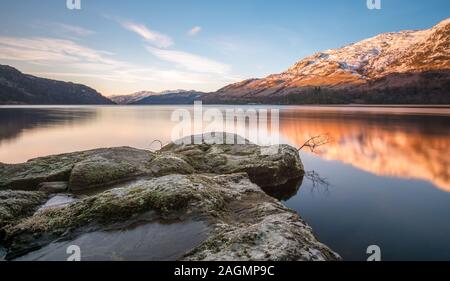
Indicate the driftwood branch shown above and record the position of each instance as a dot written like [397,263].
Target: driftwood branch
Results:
[157,141]
[314,142]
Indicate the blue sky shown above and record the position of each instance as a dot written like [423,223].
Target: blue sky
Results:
[120,47]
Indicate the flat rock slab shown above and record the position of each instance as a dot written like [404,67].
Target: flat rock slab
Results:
[151,241]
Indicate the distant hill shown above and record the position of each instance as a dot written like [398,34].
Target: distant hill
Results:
[165,97]
[17,88]
[404,67]
[132,98]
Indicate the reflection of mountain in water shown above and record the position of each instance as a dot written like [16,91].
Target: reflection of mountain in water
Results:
[410,146]
[13,121]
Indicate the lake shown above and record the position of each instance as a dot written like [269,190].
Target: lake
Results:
[383,179]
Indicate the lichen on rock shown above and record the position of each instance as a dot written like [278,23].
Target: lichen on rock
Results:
[15,204]
[99,171]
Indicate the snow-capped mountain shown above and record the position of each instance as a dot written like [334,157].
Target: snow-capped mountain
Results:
[389,60]
[165,97]
[126,99]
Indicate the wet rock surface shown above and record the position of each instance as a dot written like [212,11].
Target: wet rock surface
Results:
[117,191]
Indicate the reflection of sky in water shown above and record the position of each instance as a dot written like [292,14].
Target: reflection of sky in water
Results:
[388,168]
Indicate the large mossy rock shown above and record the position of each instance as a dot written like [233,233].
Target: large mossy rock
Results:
[244,222]
[104,167]
[225,187]
[100,171]
[266,170]
[107,163]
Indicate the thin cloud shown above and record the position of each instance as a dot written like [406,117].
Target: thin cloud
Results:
[77,30]
[63,30]
[44,49]
[159,39]
[70,61]
[195,30]
[190,61]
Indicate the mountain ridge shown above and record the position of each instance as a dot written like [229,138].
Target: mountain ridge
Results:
[394,61]
[164,97]
[17,88]
[405,67]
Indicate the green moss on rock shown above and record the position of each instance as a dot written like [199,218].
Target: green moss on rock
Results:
[17,204]
[111,206]
[167,163]
[99,171]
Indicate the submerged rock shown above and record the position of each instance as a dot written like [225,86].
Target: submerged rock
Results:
[119,189]
[146,241]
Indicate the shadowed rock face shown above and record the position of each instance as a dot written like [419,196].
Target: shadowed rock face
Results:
[218,185]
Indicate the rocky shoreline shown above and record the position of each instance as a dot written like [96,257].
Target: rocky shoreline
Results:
[219,202]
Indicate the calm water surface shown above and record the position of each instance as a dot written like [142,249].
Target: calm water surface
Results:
[383,180]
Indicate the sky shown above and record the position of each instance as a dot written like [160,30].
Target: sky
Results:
[121,47]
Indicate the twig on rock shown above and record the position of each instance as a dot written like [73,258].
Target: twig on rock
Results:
[158,141]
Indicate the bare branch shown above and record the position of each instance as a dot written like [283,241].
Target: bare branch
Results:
[315,142]
[158,141]
[317,181]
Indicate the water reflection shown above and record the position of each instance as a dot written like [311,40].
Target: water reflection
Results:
[285,191]
[380,181]
[14,121]
[408,143]
[406,146]
[147,241]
